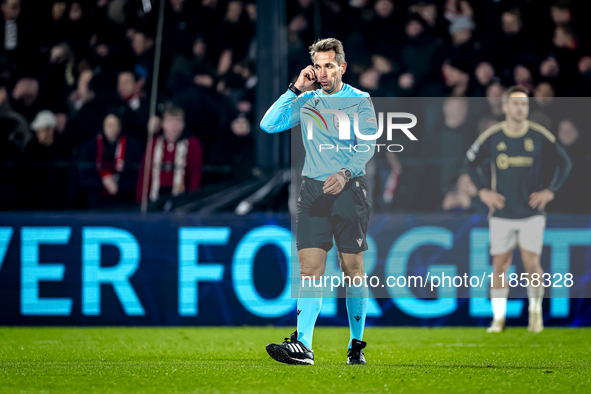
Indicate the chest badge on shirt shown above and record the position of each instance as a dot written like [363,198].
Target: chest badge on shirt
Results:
[528,144]
[503,161]
[502,146]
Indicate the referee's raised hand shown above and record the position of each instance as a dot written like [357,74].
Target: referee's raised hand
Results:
[306,79]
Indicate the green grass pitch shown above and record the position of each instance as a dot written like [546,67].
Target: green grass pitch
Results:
[168,360]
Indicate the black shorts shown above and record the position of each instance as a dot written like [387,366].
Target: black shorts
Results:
[320,217]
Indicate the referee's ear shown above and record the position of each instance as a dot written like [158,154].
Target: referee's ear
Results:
[343,67]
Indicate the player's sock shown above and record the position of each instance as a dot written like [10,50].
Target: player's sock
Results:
[309,304]
[498,299]
[356,310]
[536,296]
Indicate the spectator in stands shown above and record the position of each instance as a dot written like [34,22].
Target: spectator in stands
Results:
[175,160]
[455,78]
[464,197]
[456,134]
[234,35]
[12,32]
[484,73]
[383,27]
[182,64]
[108,166]
[429,11]
[574,195]
[129,88]
[420,50]
[549,68]
[584,68]
[541,109]
[460,31]
[236,151]
[45,166]
[83,92]
[201,105]
[494,94]
[25,95]
[79,25]
[58,79]
[67,56]
[560,12]
[561,65]
[448,142]
[522,76]
[56,29]
[514,45]
[179,28]
[14,124]
[142,45]
[369,81]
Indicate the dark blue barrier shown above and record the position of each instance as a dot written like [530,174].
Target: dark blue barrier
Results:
[127,269]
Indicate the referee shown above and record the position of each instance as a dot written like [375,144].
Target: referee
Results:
[517,156]
[334,201]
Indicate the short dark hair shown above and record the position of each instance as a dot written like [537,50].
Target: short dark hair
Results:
[129,71]
[327,45]
[562,5]
[173,111]
[514,89]
[513,11]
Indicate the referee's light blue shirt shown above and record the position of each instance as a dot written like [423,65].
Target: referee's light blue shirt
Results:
[289,111]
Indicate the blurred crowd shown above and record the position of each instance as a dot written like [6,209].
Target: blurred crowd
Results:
[463,49]
[76,78]
[75,83]
[439,48]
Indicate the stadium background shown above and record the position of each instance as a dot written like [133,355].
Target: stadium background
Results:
[224,63]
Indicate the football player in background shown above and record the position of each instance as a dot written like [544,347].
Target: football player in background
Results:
[516,195]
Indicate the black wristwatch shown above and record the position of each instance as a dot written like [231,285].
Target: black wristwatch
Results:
[293,88]
[346,173]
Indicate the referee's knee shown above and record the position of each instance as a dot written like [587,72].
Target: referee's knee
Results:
[353,275]
[309,271]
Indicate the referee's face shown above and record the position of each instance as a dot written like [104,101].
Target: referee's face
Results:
[517,107]
[329,73]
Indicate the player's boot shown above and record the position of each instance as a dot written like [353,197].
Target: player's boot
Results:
[355,354]
[536,323]
[291,351]
[497,325]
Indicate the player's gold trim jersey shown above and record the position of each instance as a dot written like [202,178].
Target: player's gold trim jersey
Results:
[516,164]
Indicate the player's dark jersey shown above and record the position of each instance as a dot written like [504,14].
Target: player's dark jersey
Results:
[520,163]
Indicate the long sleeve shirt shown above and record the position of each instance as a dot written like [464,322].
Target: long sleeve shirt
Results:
[520,163]
[327,151]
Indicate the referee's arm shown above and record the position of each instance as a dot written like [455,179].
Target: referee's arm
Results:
[283,114]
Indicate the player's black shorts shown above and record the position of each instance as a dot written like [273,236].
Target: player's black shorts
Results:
[322,217]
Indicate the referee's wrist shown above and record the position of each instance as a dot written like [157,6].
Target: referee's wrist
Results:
[346,174]
[295,89]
